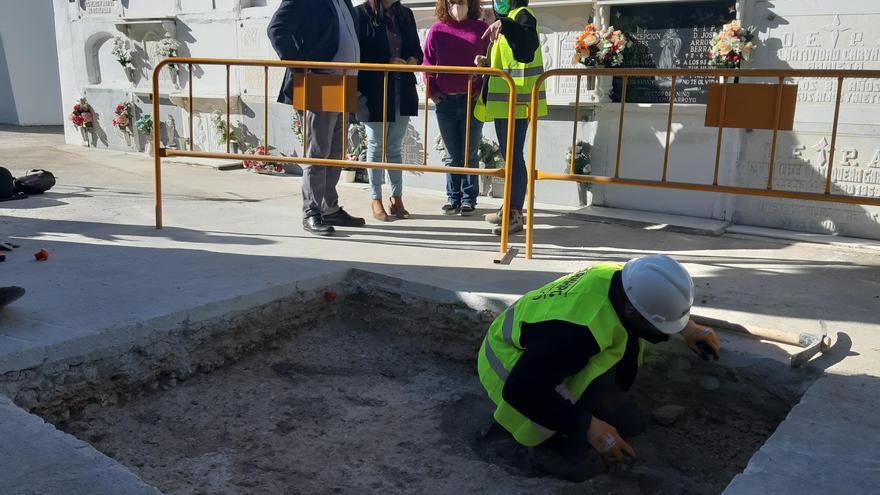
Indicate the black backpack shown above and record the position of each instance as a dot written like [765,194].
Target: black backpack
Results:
[35,182]
[7,186]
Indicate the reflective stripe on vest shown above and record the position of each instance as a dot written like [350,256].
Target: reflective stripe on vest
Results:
[580,298]
[524,75]
[521,99]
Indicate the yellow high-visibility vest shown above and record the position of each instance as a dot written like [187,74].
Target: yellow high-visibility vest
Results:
[524,77]
[580,298]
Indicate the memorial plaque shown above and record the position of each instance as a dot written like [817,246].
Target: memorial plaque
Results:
[670,36]
[828,42]
[99,7]
[565,87]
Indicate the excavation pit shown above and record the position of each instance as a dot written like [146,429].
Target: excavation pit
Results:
[376,392]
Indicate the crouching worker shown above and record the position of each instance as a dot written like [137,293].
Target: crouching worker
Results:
[558,362]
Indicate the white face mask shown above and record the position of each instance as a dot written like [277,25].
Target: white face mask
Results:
[458,11]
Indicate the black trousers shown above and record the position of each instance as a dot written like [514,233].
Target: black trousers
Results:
[570,457]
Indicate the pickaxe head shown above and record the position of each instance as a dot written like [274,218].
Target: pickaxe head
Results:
[812,344]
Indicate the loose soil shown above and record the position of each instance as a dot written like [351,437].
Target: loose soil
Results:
[390,404]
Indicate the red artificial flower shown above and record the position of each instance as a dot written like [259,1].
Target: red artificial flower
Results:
[120,108]
[77,108]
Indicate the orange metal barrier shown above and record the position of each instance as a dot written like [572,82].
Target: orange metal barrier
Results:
[782,103]
[161,152]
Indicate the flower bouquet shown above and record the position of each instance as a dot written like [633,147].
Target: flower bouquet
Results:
[123,55]
[490,157]
[83,119]
[732,45]
[600,48]
[122,121]
[356,152]
[490,154]
[145,124]
[297,127]
[223,134]
[261,167]
[166,48]
[581,165]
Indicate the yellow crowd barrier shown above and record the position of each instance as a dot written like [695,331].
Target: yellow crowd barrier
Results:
[303,84]
[769,106]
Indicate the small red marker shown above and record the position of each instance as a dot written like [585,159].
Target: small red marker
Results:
[329,296]
[41,255]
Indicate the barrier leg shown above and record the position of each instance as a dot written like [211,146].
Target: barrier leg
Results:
[157,149]
[532,177]
[506,253]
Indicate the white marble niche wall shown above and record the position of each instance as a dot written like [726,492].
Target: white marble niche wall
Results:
[814,34]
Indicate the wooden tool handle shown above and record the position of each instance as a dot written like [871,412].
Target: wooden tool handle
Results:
[754,331]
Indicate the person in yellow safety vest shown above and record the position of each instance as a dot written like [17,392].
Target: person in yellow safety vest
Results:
[557,363]
[516,49]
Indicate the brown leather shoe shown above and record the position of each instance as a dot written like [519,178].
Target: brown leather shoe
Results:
[396,208]
[379,211]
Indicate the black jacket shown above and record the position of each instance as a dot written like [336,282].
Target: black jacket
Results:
[304,30]
[374,49]
[522,35]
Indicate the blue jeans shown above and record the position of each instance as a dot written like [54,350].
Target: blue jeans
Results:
[393,142]
[519,173]
[452,120]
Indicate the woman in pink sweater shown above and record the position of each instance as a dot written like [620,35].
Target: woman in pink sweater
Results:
[455,40]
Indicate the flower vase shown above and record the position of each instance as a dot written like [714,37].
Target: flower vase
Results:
[348,175]
[584,193]
[485,184]
[129,74]
[148,147]
[172,73]
[84,133]
[127,136]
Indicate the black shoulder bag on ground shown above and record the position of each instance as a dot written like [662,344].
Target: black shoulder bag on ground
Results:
[35,182]
[7,186]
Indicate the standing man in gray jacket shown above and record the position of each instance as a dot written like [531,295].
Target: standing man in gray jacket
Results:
[321,31]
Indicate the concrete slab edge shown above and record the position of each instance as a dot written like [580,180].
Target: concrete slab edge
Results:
[38,459]
[115,336]
[367,280]
[790,235]
[824,445]
[653,221]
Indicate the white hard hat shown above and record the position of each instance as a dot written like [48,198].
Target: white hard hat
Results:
[661,290]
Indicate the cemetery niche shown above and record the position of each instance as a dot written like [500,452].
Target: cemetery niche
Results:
[669,36]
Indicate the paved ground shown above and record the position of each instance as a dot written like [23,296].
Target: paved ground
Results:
[233,233]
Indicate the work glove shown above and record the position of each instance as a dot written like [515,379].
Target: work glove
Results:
[607,442]
[702,340]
